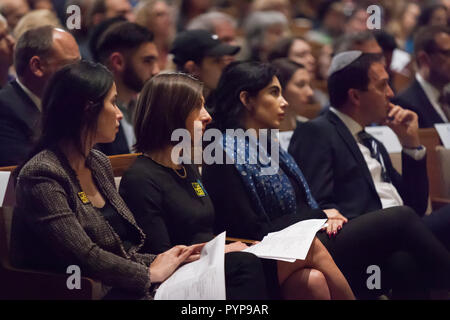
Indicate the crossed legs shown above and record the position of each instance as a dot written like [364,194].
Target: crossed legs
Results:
[317,277]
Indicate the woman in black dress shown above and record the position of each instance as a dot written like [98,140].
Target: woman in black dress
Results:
[171,204]
[249,97]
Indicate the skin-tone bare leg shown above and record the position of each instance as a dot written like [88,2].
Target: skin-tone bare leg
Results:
[306,284]
[318,259]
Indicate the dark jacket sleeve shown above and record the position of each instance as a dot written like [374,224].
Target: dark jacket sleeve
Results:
[415,183]
[313,153]
[145,200]
[14,142]
[234,210]
[58,226]
[412,184]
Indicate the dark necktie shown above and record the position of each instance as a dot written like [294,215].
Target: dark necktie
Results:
[369,141]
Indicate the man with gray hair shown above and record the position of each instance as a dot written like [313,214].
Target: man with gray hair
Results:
[13,10]
[363,41]
[38,55]
[263,29]
[218,23]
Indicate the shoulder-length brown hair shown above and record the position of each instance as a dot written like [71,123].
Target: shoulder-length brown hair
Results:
[163,106]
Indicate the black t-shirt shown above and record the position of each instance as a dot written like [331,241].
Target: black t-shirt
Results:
[171,210]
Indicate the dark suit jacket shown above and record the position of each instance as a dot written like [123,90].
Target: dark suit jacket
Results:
[19,124]
[415,99]
[52,228]
[118,146]
[338,175]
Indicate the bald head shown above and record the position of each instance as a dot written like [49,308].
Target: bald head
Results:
[64,49]
[42,51]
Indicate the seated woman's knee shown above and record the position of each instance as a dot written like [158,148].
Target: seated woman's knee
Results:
[317,285]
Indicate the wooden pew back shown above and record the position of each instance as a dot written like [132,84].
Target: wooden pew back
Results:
[430,139]
[120,163]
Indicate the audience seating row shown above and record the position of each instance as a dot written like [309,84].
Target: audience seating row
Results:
[26,284]
[29,284]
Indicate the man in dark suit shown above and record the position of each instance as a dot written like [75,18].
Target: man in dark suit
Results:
[340,166]
[128,50]
[425,94]
[39,53]
[348,169]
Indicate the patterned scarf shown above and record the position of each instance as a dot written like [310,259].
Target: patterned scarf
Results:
[273,194]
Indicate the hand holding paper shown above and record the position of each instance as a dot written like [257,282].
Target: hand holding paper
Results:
[289,244]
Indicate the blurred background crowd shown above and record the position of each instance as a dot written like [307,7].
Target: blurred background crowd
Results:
[304,31]
[312,30]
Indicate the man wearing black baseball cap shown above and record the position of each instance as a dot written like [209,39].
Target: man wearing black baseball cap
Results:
[200,53]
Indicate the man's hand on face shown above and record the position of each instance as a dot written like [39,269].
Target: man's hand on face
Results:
[405,124]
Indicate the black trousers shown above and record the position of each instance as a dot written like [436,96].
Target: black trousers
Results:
[245,277]
[410,258]
[439,223]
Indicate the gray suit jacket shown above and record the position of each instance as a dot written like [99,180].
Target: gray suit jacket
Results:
[52,228]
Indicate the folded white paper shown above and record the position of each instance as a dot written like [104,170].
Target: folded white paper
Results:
[387,137]
[289,244]
[203,279]
[443,130]
[4,179]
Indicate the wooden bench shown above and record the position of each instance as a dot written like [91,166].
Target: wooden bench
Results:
[430,139]
[18,283]
[119,163]
[438,187]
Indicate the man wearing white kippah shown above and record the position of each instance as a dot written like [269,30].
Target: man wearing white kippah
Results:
[360,94]
[349,170]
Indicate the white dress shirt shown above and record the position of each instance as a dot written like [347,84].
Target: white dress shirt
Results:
[433,95]
[386,191]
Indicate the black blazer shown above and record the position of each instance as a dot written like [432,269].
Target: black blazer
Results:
[118,146]
[19,124]
[415,99]
[338,175]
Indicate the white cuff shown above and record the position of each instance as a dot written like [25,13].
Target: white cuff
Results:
[416,154]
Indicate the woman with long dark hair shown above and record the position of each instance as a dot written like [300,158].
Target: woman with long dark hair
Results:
[68,209]
[295,80]
[171,203]
[249,97]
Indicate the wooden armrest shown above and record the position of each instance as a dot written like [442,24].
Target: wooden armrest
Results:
[10,168]
[438,203]
[247,241]
[27,284]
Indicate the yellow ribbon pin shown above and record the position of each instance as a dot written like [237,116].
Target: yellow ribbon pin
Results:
[83,197]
